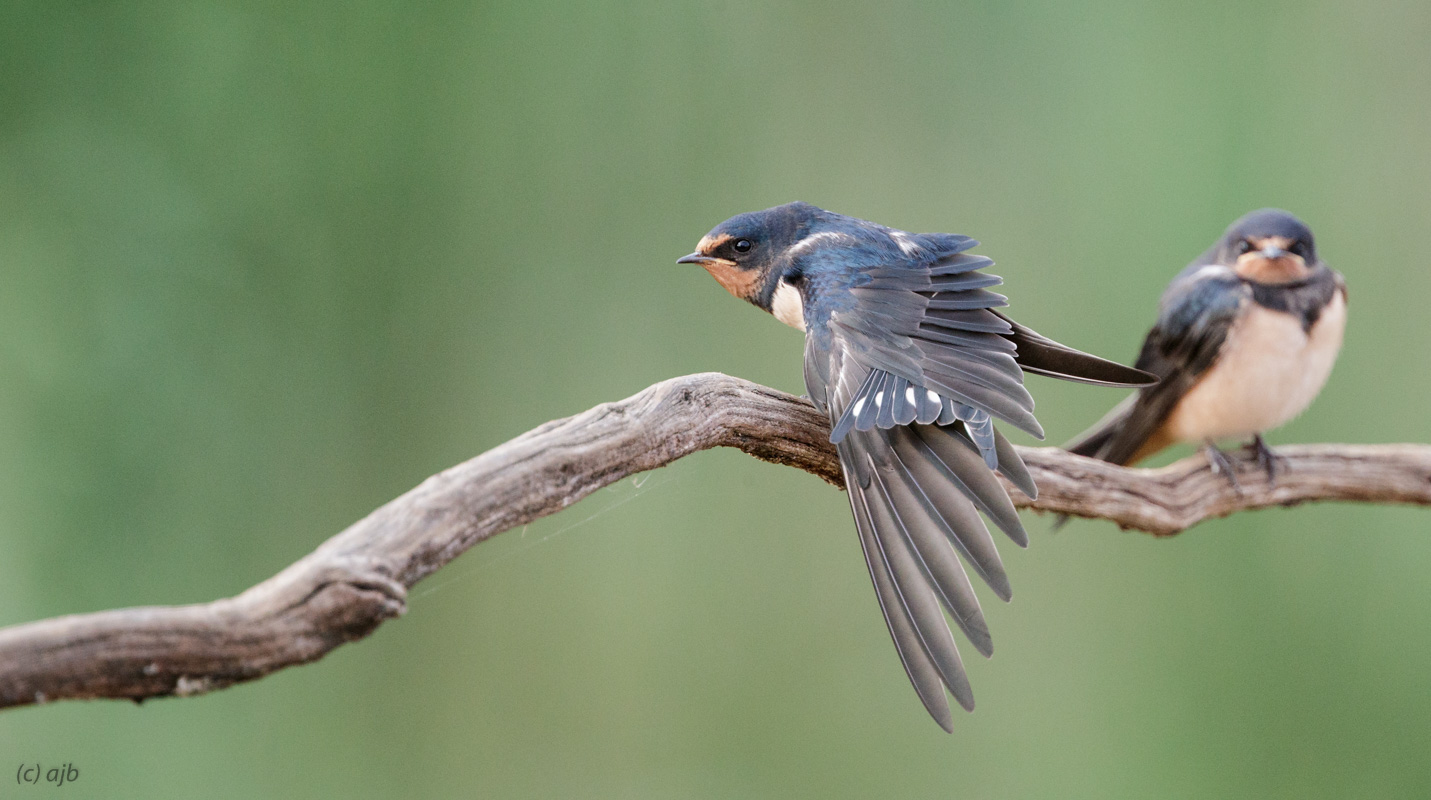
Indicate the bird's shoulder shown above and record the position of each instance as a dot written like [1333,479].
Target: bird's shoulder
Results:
[850,267]
[1198,296]
[848,244]
[1194,315]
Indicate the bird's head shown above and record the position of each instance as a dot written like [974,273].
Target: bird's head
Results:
[1269,246]
[747,253]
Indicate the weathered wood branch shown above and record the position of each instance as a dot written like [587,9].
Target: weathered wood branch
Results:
[359,578]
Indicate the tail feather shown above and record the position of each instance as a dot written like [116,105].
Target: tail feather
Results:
[1103,441]
[1095,441]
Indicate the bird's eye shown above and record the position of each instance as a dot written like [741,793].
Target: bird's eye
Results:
[1244,246]
[742,245]
[1299,249]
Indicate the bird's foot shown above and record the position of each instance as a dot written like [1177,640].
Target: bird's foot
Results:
[1221,464]
[1267,458]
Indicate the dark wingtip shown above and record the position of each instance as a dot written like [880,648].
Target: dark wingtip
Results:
[1143,378]
[1041,355]
[939,711]
[1111,373]
[1002,590]
[1013,467]
[984,644]
[1019,536]
[1079,367]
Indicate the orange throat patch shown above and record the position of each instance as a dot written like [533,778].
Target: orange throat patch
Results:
[743,283]
[1284,269]
[1271,270]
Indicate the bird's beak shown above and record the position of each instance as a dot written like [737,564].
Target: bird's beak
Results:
[695,258]
[1272,251]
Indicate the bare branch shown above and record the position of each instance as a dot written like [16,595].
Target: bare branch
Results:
[359,578]
[1176,497]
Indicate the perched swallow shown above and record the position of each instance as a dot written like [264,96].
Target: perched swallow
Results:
[1245,339]
[906,355]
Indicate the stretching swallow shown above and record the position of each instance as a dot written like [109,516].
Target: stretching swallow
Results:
[906,355]
[1245,339]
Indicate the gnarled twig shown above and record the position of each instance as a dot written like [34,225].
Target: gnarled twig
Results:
[359,578]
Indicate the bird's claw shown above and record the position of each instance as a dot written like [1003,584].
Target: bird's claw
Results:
[1221,464]
[1267,458]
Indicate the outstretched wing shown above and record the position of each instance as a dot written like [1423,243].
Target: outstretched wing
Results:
[931,324]
[916,492]
[1196,313]
[913,365]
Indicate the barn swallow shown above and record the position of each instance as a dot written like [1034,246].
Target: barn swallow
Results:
[1245,339]
[907,356]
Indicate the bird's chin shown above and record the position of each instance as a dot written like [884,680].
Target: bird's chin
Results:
[743,283]
[1283,269]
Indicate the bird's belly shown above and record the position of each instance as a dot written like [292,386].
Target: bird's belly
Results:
[1268,372]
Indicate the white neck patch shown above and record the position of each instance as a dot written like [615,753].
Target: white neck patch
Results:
[787,305]
[814,240]
[906,243]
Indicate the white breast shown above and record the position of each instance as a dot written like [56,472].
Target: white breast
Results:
[1268,372]
[787,305]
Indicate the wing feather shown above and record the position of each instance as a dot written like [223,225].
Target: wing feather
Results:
[913,367]
[917,664]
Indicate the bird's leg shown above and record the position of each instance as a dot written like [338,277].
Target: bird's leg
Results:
[1220,463]
[1266,457]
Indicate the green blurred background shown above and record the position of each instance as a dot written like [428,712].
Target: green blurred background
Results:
[263,268]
